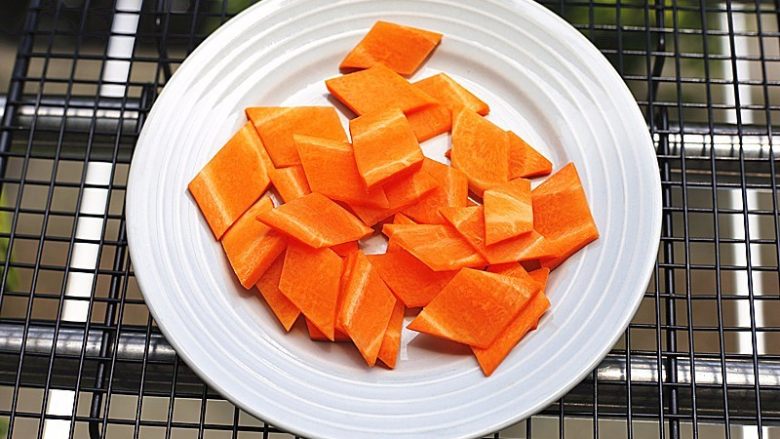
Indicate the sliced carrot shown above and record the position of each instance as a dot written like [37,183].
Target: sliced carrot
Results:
[268,285]
[316,221]
[447,91]
[401,48]
[231,181]
[346,273]
[540,275]
[277,125]
[439,246]
[452,191]
[346,248]
[251,246]
[430,121]
[385,146]
[400,194]
[474,308]
[480,149]
[508,210]
[289,182]
[470,224]
[311,280]
[524,161]
[376,89]
[412,282]
[391,342]
[366,308]
[331,170]
[400,218]
[317,335]
[562,215]
[514,269]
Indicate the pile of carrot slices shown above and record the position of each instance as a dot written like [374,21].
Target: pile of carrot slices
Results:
[470,244]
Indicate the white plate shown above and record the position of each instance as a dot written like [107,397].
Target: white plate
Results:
[541,78]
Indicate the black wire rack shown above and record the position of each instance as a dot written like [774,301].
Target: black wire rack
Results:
[700,359]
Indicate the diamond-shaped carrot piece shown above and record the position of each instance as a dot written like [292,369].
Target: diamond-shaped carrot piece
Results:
[480,149]
[470,224]
[413,282]
[331,170]
[251,247]
[474,308]
[376,89]
[231,181]
[508,210]
[268,285]
[398,218]
[448,92]
[317,335]
[290,182]
[311,279]
[401,48]
[562,215]
[452,191]
[525,161]
[514,269]
[385,146]
[439,246]
[430,121]
[400,194]
[489,358]
[365,308]
[391,342]
[315,221]
[277,125]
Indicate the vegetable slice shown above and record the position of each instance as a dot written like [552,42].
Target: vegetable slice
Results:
[316,221]
[311,279]
[508,211]
[391,342]
[401,48]
[366,307]
[277,125]
[385,146]
[470,223]
[268,285]
[452,191]
[448,92]
[524,161]
[562,215]
[331,170]
[317,335]
[376,89]
[289,182]
[231,181]
[474,307]
[479,149]
[400,194]
[439,246]
[516,270]
[346,248]
[251,247]
[430,121]
[412,282]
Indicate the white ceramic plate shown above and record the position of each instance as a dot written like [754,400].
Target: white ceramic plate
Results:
[541,78]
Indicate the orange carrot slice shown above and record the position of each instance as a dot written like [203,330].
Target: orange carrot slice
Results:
[508,211]
[317,335]
[430,121]
[452,191]
[385,146]
[400,194]
[479,149]
[563,215]
[470,223]
[439,246]
[311,280]
[516,270]
[447,91]
[346,248]
[412,282]
[251,247]
[366,308]
[331,170]
[489,358]
[400,218]
[277,125]
[524,161]
[474,308]
[391,342]
[231,181]
[401,48]
[268,285]
[289,182]
[316,221]
[540,276]
[376,89]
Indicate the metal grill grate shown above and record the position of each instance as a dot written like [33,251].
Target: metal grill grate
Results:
[80,356]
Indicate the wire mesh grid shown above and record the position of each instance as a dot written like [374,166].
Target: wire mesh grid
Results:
[700,359]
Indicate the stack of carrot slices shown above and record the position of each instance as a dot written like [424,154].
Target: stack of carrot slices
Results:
[470,272]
